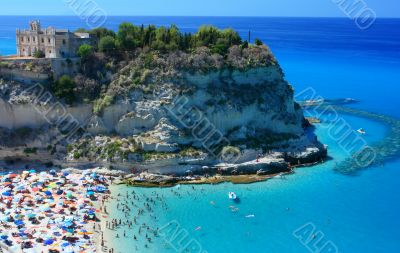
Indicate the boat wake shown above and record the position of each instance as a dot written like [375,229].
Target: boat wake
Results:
[386,149]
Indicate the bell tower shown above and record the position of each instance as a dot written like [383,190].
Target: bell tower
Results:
[35,25]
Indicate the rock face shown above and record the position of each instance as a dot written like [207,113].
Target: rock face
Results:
[176,103]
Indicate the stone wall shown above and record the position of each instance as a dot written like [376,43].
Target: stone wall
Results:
[23,76]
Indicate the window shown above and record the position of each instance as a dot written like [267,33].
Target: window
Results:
[22,39]
[42,40]
[34,39]
[49,40]
[64,42]
[29,39]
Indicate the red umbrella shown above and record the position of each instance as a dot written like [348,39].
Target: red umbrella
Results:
[35,189]
[12,175]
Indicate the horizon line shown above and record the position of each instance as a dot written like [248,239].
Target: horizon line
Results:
[185,16]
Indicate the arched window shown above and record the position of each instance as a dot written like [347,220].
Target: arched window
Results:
[42,40]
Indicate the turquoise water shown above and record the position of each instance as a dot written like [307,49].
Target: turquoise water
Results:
[356,213]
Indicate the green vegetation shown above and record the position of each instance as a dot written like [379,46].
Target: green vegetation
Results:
[23,132]
[107,44]
[189,152]
[258,42]
[84,51]
[30,150]
[39,54]
[64,89]
[102,103]
[130,37]
[4,65]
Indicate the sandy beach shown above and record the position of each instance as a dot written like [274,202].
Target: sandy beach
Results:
[51,211]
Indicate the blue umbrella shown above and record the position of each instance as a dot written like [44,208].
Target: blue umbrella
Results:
[18,222]
[48,242]
[100,188]
[90,193]
[6,194]
[65,244]
[3,237]
[48,193]
[59,192]
[68,224]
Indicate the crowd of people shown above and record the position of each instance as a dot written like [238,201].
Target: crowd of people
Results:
[52,211]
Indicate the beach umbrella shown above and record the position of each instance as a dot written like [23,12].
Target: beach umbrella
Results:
[48,242]
[3,237]
[32,171]
[35,189]
[48,193]
[6,193]
[31,215]
[12,175]
[18,222]
[65,244]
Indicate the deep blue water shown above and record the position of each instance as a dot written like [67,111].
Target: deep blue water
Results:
[357,213]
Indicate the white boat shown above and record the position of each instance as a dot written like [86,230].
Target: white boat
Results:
[232,195]
[361,131]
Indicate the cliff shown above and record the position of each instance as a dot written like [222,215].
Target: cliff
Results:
[169,113]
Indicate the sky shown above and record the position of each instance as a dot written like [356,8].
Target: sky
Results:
[291,8]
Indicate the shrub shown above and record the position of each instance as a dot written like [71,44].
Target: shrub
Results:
[84,51]
[39,54]
[102,103]
[64,89]
[258,42]
[107,44]
[30,150]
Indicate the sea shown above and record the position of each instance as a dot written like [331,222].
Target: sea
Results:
[317,209]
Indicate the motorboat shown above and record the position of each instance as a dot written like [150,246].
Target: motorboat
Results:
[232,195]
[361,131]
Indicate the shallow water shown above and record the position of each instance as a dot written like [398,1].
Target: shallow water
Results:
[346,209]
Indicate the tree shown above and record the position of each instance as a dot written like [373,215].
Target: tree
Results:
[64,88]
[39,54]
[107,44]
[258,42]
[102,32]
[84,51]
[232,37]
[128,36]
